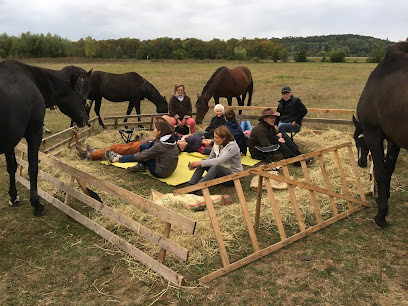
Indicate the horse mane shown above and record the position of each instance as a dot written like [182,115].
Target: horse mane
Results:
[400,47]
[145,82]
[212,78]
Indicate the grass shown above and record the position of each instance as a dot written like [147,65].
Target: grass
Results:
[54,260]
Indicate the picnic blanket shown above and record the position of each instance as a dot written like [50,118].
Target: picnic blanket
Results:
[182,174]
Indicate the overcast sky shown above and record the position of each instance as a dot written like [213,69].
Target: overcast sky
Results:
[204,19]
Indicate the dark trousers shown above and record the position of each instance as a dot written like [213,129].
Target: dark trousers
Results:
[288,149]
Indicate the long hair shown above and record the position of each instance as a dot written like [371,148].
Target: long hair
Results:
[164,128]
[223,132]
[229,114]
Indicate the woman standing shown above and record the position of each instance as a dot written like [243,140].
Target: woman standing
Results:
[224,159]
[159,156]
[180,109]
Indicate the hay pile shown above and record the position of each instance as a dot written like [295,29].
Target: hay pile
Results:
[204,255]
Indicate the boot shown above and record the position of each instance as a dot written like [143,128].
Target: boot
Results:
[81,152]
[140,167]
[89,148]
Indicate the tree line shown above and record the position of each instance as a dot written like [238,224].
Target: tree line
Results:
[333,47]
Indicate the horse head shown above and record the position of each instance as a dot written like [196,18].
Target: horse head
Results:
[162,106]
[201,107]
[361,144]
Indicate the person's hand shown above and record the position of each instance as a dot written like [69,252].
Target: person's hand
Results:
[195,164]
[294,123]
[183,122]
[279,135]
[179,123]
[276,127]
[281,140]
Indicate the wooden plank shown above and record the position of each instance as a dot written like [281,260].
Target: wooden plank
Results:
[263,167]
[247,217]
[308,186]
[67,195]
[327,183]
[312,195]
[342,177]
[20,171]
[356,174]
[277,246]
[129,123]
[166,234]
[295,205]
[129,223]
[309,110]
[125,246]
[160,212]
[258,203]
[216,227]
[275,209]
[65,132]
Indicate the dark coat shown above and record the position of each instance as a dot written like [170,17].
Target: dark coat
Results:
[215,122]
[236,131]
[291,110]
[178,109]
[262,135]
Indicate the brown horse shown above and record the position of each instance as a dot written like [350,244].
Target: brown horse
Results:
[382,115]
[225,83]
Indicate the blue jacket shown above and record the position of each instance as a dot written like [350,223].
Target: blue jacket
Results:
[236,131]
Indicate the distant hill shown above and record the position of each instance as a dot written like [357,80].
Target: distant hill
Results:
[356,45]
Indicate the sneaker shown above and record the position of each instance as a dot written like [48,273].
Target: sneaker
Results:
[81,152]
[140,167]
[110,156]
[89,148]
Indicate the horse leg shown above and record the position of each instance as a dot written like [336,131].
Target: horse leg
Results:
[375,144]
[137,106]
[34,142]
[97,108]
[240,102]
[11,169]
[129,109]
[390,161]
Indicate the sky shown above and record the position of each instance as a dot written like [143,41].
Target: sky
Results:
[204,19]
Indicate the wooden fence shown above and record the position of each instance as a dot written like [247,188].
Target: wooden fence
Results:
[169,217]
[353,204]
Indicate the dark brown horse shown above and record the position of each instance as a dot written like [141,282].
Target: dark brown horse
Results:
[225,83]
[124,87]
[382,115]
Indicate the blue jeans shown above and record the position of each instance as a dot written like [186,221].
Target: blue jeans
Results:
[246,126]
[287,127]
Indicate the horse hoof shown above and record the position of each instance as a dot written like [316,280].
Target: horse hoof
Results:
[380,221]
[39,210]
[15,203]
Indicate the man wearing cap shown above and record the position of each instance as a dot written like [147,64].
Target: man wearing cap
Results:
[291,110]
[265,135]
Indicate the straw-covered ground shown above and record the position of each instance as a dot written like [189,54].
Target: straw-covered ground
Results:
[203,248]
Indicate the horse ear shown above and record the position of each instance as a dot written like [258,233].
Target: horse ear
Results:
[90,72]
[198,95]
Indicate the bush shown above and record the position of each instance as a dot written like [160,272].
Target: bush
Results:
[301,56]
[338,56]
[376,55]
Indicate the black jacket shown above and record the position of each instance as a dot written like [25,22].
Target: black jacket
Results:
[291,110]
[236,131]
[215,122]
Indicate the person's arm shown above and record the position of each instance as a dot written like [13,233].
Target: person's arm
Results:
[224,156]
[172,108]
[277,119]
[151,153]
[189,107]
[302,111]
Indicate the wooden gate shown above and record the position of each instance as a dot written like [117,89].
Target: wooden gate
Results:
[353,204]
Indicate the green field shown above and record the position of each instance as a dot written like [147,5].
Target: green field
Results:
[55,260]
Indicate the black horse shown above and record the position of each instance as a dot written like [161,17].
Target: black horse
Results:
[25,92]
[226,83]
[382,115]
[128,86]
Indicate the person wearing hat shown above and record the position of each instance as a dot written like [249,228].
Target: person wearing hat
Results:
[265,135]
[180,109]
[291,110]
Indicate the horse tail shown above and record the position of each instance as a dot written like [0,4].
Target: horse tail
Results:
[250,91]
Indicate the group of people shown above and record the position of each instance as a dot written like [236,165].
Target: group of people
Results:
[225,140]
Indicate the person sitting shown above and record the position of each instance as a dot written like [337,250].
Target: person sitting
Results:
[180,109]
[235,129]
[291,112]
[265,135]
[159,156]
[224,159]
[246,126]
[193,143]
[216,121]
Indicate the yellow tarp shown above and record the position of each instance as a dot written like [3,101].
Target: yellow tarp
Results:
[182,174]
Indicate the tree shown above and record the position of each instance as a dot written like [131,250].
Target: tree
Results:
[90,47]
[376,55]
[301,56]
[337,56]
[118,52]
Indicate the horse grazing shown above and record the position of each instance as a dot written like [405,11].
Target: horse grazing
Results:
[25,92]
[128,86]
[226,83]
[382,113]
